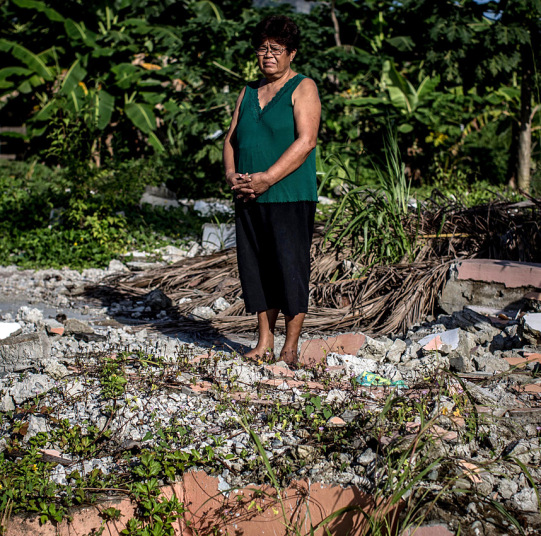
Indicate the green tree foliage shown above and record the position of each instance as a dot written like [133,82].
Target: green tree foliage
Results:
[114,79]
[490,50]
[123,76]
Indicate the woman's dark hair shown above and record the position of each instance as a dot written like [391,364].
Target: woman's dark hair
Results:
[280,28]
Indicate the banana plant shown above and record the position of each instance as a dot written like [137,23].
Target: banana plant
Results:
[400,95]
[101,96]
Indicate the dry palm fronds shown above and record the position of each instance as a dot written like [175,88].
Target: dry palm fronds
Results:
[346,295]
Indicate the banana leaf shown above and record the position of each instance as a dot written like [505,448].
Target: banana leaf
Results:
[78,31]
[75,74]
[41,7]
[142,116]
[31,60]
[104,106]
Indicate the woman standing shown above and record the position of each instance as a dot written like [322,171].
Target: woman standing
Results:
[269,159]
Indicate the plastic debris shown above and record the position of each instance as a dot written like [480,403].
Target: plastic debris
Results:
[369,379]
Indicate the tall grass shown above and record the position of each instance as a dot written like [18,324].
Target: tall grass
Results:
[374,223]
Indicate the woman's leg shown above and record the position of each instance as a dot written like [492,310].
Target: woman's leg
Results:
[289,352]
[266,321]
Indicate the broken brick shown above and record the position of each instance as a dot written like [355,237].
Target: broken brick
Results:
[279,372]
[314,351]
[336,422]
[523,361]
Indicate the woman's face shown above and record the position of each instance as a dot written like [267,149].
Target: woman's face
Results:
[272,65]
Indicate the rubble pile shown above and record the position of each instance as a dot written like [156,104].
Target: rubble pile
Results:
[467,383]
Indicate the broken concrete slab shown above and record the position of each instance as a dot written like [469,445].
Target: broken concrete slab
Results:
[336,422]
[521,362]
[524,416]
[53,327]
[489,283]
[531,327]
[211,206]
[73,325]
[315,351]
[456,344]
[460,359]
[485,322]
[353,365]
[6,402]
[220,305]
[429,530]
[526,500]
[159,196]
[56,370]
[22,352]
[36,424]
[445,341]
[512,274]
[218,236]
[29,314]
[140,256]
[490,363]
[200,388]
[172,253]
[396,351]
[117,266]
[205,502]
[375,348]
[533,388]
[275,371]
[202,313]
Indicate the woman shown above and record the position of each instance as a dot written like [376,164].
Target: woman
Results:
[269,159]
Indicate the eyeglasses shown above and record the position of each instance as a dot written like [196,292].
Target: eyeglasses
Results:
[273,49]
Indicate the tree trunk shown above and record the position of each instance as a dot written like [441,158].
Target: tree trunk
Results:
[335,24]
[524,154]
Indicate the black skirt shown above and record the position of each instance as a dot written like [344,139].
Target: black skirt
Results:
[273,253]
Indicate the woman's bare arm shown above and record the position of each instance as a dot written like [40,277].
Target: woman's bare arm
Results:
[231,174]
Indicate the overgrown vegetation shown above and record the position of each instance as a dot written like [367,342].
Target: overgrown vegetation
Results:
[408,476]
[381,222]
[372,222]
[49,219]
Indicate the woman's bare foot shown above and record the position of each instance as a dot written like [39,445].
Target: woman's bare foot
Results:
[260,353]
[264,351]
[290,357]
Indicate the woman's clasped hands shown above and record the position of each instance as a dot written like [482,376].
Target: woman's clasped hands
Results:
[247,186]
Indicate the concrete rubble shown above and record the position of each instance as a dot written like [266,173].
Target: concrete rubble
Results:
[499,284]
[159,196]
[218,236]
[492,379]
[213,207]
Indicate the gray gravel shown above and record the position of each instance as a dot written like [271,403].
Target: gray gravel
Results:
[57,369]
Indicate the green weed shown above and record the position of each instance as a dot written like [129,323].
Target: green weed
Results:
[373,224]
[55,218]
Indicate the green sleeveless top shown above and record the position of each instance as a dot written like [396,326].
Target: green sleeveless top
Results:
[263,135]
